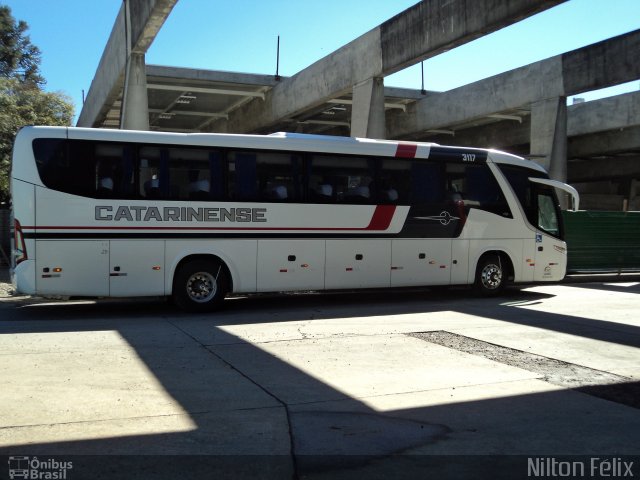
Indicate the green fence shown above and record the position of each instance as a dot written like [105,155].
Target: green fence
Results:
[602,241]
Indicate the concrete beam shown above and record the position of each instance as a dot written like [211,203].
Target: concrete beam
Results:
[109,78]
[147,16]
[176,74]
[604,169]
[614,61]
[605,143]
[606,115]
[621,111]
[422,31]
[436,26]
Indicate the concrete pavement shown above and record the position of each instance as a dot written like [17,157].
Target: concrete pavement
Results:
[319,386]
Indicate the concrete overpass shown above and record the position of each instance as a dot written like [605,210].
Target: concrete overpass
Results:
[428,28]
[523,111]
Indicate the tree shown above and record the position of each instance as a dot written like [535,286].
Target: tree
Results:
[22,99]
[19,58]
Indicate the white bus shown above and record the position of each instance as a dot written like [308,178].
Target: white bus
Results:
[108,213]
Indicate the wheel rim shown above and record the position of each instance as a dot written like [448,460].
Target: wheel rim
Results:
[491,276]
[201,287]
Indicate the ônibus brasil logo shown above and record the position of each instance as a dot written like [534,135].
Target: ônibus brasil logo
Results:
[38,469]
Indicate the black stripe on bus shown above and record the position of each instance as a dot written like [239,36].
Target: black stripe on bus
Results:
[217,236]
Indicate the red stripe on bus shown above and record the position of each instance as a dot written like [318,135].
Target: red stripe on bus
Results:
[406,150]
[382,217]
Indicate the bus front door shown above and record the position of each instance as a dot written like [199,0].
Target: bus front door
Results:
[550,250]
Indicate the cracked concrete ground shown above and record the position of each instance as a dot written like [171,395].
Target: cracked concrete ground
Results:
[347,385]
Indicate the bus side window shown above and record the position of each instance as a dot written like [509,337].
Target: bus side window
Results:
[427,183]
[478,188]
[279,177]
[342,179]
[150,185]
[190,174]
[394,182]
[114,172]
[243,177]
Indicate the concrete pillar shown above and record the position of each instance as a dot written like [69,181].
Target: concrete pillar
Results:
[549,136]
[135,103]
[367,114]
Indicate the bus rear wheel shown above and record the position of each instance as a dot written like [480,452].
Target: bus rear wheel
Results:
[200,286]
[491,276]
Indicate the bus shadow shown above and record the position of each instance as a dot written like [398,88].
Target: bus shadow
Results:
[254,307]
[242,400]
[274,308]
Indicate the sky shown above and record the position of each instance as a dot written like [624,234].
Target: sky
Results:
[241,36]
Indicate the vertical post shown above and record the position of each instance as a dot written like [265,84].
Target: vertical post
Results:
[549,135]
[367,110]
[278,60]
[549,138]
[422,90]
[134,112]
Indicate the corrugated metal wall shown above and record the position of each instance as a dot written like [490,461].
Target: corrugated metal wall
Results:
[603,241]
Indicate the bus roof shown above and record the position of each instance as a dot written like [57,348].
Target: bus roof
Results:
[275,141]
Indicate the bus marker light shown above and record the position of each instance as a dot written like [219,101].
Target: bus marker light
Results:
[349,269]
[305,265]
[20,246]
[57,269]
[155,267]
[283,270]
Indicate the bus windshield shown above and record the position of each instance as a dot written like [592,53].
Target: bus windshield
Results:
[538,200]
[548,213]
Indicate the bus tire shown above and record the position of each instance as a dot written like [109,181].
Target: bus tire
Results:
[200,286]
[491,276]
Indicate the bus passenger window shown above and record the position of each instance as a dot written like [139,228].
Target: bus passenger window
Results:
[394,182]
[265,176]
[477,187]
[342,179]
[150,173]
[279,178]
[114,171]
[194,174]
[242,176]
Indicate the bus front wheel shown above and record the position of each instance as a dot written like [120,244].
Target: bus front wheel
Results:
[200,286]
[491,276]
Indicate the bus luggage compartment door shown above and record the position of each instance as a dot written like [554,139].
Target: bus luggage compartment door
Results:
[290,265]
[421,262]
[136,268]
[72,267]
[358,263]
